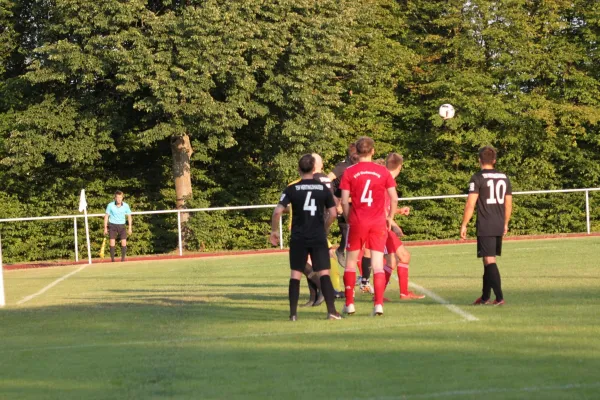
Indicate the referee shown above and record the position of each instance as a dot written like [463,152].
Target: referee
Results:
[314,212]
[114,224]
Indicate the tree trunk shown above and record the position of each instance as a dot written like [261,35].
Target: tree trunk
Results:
[182,153]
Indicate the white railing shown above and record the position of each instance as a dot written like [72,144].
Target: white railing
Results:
[191,210]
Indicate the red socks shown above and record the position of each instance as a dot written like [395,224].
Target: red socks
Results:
[403,277]
[388,274]
[349,282]
[380,284]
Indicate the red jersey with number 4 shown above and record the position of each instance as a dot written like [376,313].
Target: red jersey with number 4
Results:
[368,184]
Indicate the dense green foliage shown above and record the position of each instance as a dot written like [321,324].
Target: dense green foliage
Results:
[91,93]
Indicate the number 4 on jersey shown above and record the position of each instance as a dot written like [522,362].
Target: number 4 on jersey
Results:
[309,204]
[367,195]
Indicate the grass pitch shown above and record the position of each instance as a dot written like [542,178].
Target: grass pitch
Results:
[217,329]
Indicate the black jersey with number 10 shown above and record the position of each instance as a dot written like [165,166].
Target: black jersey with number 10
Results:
[309,199]
[492,187]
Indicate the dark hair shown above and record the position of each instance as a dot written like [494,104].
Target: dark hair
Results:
[351,149]
[353,159]
[364,145]
[118,193]
[393,161]
[306,164]
[487,155]
[379,161]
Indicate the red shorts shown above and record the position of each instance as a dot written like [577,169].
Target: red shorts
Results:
[392,243]
[373,237]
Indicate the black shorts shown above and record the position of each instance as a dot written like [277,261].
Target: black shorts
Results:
[489,246]
[319,256]
[115,230]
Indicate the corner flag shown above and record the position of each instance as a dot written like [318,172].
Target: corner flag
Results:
[83,208]
[82,202]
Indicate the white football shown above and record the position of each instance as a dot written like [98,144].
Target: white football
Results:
[446,111]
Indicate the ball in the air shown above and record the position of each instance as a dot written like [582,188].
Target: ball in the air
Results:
[446,111]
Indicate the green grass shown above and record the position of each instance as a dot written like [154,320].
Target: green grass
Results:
[217,328]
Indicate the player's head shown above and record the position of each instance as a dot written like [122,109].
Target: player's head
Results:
[318,162]
[487,155]
[118,197]
[379,161]
[365,146]
[393,163]
[306,165]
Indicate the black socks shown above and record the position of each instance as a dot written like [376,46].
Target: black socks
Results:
[491,275]
[328,293]
[366,269]
[294,294]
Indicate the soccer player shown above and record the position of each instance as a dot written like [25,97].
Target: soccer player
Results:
[114,224]
[491,192]
[336,177]
[368,184]
[397,256]
[314,212]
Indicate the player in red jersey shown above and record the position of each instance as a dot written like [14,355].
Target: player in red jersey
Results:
[368,184]
[396,253]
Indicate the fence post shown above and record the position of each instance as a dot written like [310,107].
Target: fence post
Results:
[2,298]
[281,232]
[76,244]
[587,210]
[179,233]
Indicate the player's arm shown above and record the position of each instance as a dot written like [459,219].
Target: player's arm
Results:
[130,221]
[393,206]
[331,176]
[275,224]
[106,224]
[331,214]
[468,214]
[396,229]
[346,203]
[507,211]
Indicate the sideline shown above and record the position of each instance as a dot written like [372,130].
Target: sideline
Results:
[455,309]
[56,282]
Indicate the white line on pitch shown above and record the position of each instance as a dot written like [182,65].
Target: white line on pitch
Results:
[56,282]
[475,392]
[232,337]
[445,303]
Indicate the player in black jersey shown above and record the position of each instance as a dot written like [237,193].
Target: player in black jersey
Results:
[313,213]
[491,191]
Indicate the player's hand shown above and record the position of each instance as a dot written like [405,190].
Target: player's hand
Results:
[505,229]
[129,231]
[403,211]
[105,230]
[398,231]
[463,232]
[388,223]
[274,238]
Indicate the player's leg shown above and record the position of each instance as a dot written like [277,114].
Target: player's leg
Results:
[112,238]
[356,238]
[403,256]
[376,243]
[486,251]
[123,236]
[321,264]
[312,286]
[365,285]
[298,256]
[340,251]
[492,269]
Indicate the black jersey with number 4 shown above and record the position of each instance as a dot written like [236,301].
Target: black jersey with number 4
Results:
[309,199]
[492,187]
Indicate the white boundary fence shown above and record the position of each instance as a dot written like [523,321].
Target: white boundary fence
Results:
[192,210]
